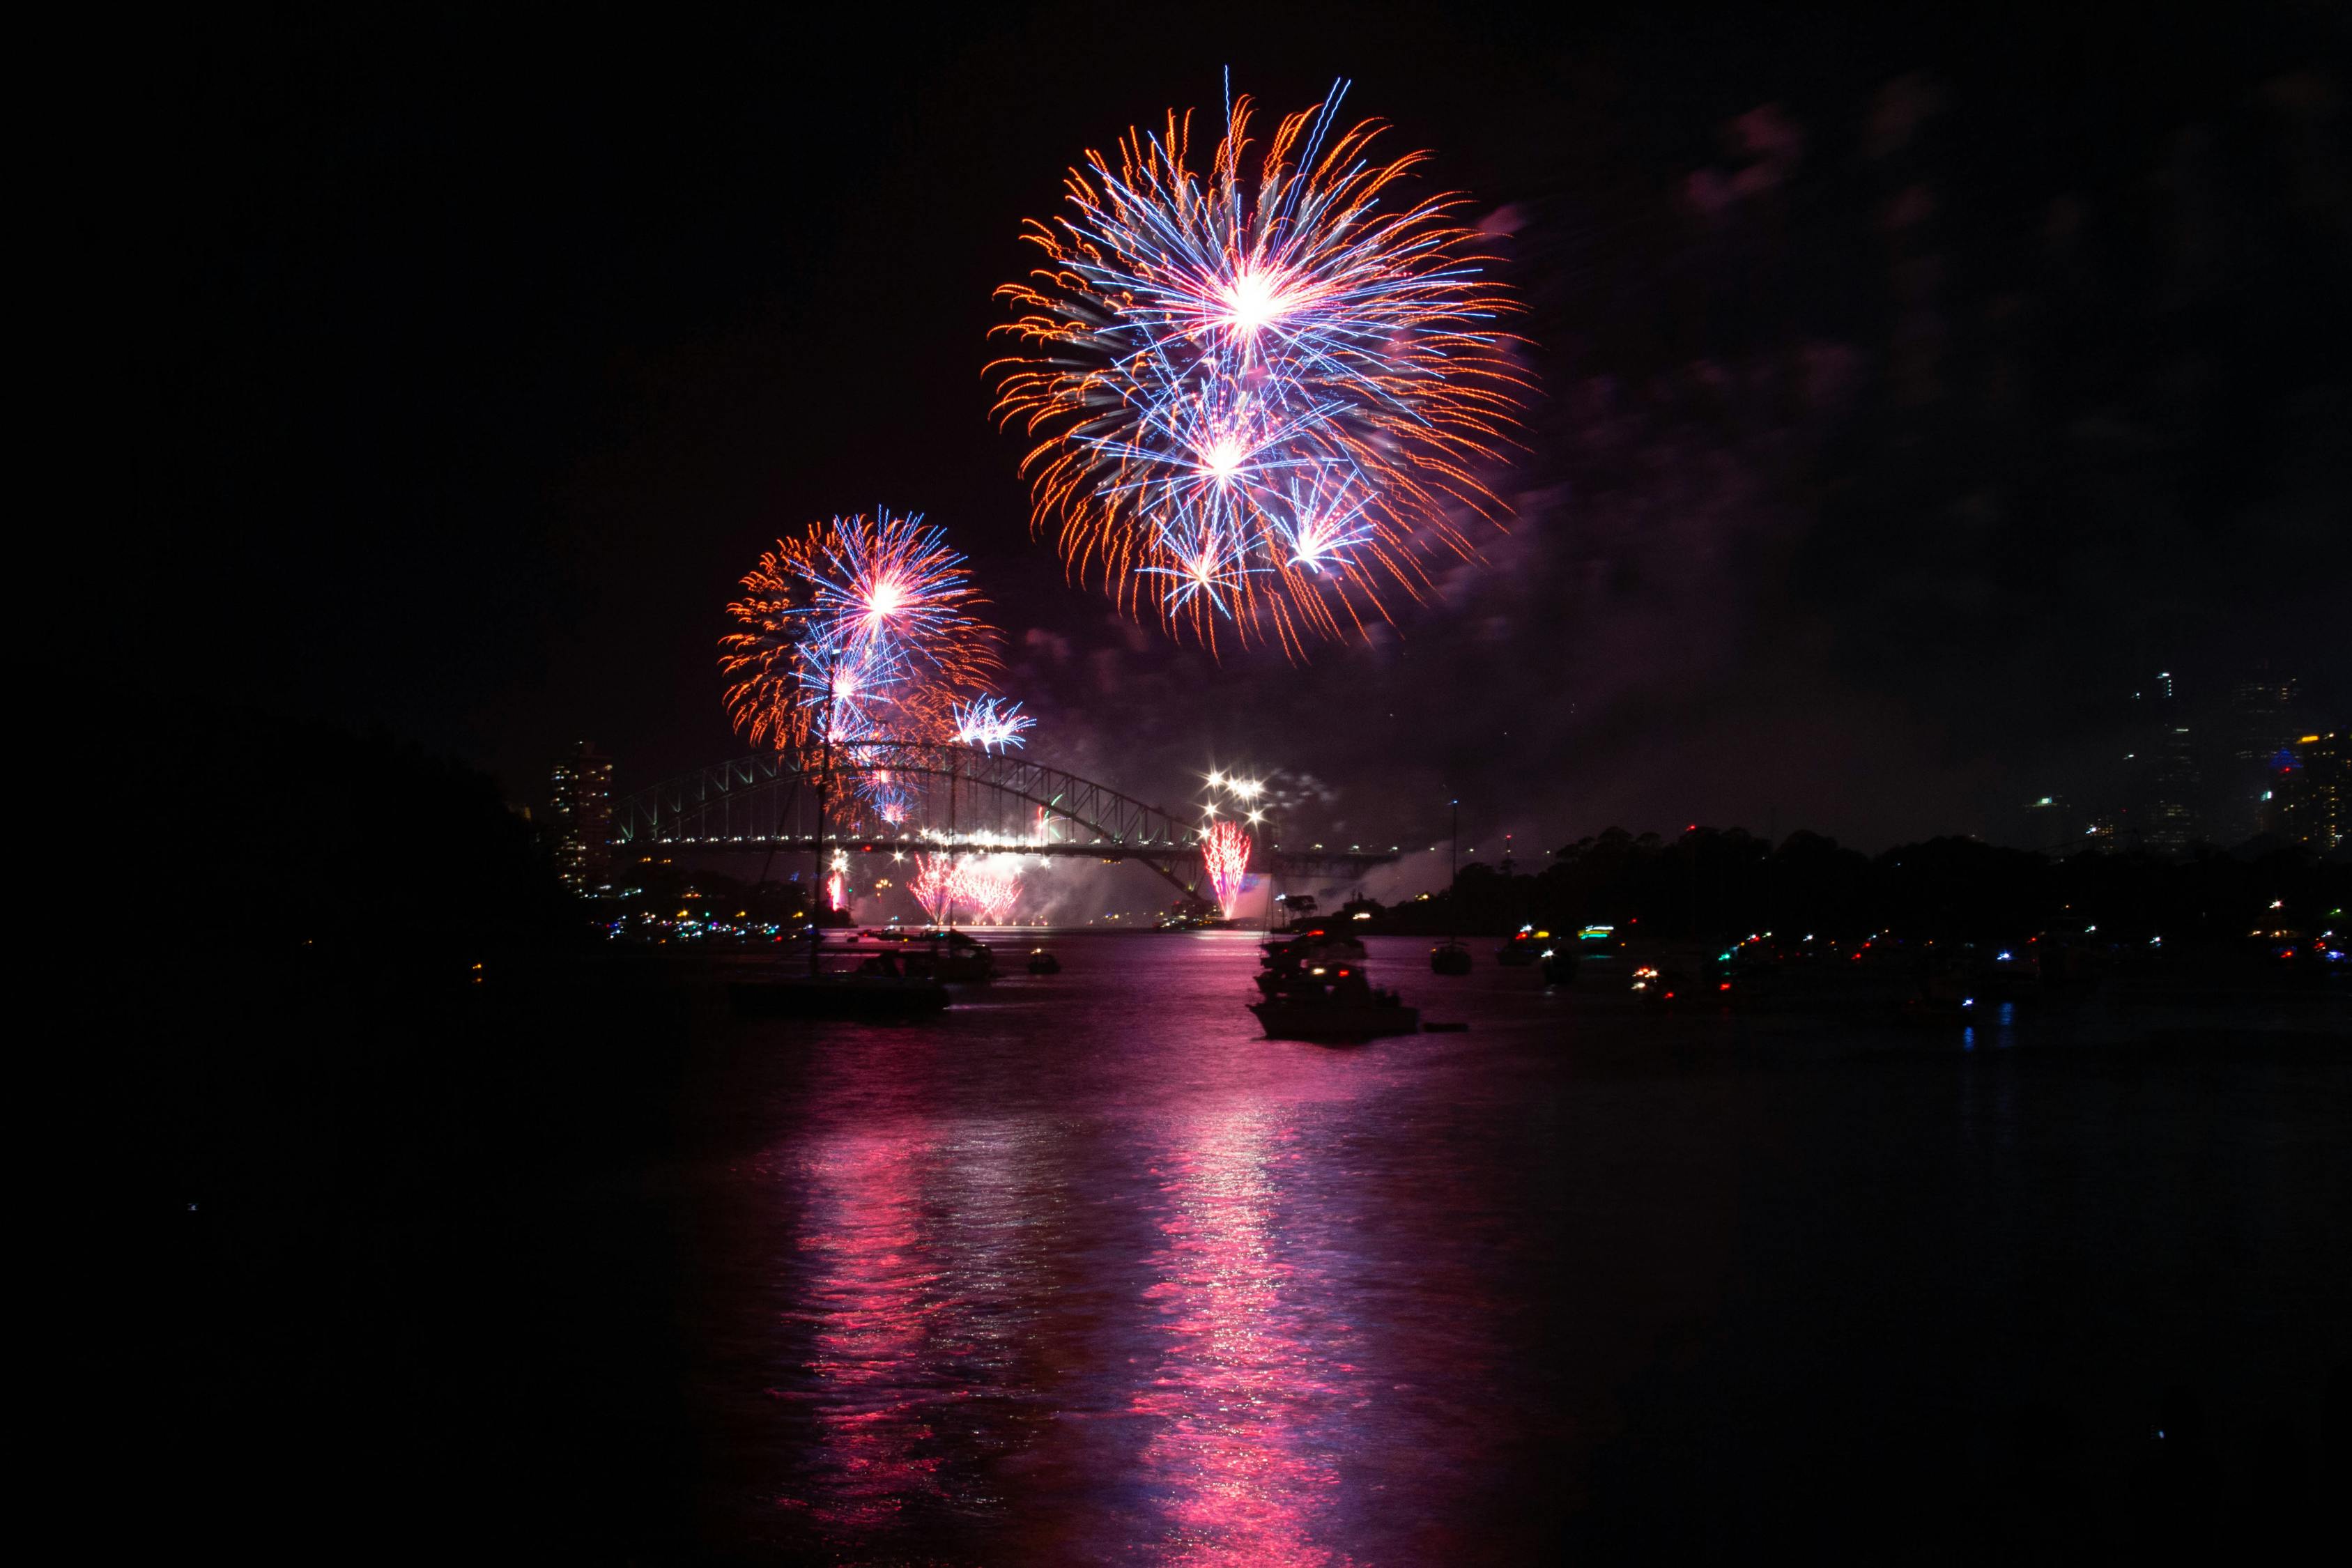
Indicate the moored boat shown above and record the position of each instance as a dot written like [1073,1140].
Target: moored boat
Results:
[1289,1019]
[1527,946]
[936,954]
[1313,987]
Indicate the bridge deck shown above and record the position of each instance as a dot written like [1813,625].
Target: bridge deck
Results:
[1300,861]
[952,798]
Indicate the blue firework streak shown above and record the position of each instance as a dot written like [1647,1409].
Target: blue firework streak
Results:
[992,724]
[1204,566]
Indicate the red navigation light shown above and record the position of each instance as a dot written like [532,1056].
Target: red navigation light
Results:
[1725,986]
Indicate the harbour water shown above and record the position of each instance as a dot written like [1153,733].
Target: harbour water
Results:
[1085,1270]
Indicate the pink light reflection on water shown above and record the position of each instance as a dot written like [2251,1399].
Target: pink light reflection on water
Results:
[873,1296]
[1256,1386]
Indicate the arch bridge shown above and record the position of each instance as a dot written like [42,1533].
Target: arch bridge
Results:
[906,796]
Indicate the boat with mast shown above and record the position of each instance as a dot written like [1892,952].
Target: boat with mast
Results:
[881,986]
[1451,957]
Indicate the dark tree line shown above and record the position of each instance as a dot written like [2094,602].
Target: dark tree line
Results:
[1728,882]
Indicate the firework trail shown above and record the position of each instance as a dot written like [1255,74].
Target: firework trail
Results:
[1225,855]
[1261,395]
[934,886]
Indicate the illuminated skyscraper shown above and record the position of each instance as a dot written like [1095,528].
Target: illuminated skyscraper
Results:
[579,811]
[2308,790]
[2261,717]
[2168,766]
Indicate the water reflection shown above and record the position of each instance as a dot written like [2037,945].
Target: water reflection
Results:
[1255,1384]
[1088,1272]
[923,1259]
[875,1308]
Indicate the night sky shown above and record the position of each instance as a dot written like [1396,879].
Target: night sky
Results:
[1910,397]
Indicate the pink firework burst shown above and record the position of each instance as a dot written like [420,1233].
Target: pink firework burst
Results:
[1225,855]
[934,886]
[991,885]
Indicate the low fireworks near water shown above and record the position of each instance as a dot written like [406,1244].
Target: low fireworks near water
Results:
[987,886]
[1225,855]
[1263,396]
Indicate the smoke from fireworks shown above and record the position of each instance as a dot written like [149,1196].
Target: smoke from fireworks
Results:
[1262,397]
[1225,855]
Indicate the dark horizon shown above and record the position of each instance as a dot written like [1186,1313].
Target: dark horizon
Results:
[1910,394]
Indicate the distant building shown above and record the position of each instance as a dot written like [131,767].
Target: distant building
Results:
[2170,777]
[2261,724]
[2050,825]
[579,815]
[2309,786]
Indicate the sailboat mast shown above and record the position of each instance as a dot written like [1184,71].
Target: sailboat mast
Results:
[817,890]
[1454,877]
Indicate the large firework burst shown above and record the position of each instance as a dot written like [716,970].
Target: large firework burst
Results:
[1261,395]
[860,630]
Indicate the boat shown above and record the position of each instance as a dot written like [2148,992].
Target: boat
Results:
[1313,987]
[1657,987]
[1525,946]
[1306,956]
[1560,966]
[1451,957]
[938,954]
[1043,963]
[1383,1014]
